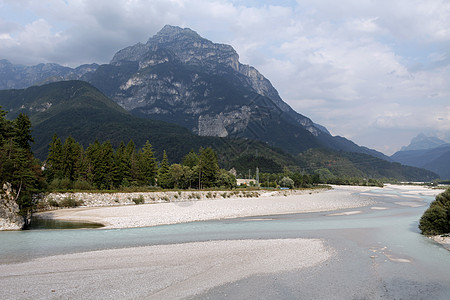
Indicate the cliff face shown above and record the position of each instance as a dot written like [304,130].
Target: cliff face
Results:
[9,210]
[180,77]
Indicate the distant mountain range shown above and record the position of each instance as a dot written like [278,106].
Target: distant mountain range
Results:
[425,152]
[176,77]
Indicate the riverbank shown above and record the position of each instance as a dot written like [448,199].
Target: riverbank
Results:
[267,203]
[158,272]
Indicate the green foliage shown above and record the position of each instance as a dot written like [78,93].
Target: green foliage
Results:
[164,179]
[17,164]
[147,164]
[139,200]
[286,182]
[208,167]
[70,202]
[436,219]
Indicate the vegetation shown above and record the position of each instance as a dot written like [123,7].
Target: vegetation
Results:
[77,109]
[69,165]
[436,219]
[17,164]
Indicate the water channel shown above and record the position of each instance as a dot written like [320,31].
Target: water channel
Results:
[378,250]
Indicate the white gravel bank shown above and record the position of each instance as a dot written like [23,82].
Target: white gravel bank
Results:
[200,210]
[156,272]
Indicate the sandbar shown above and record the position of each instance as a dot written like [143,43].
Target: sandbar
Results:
[157,272]
[201,210]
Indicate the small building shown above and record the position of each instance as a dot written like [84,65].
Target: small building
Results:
[246,182]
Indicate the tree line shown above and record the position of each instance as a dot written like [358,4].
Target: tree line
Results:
[18,167]
[100,166]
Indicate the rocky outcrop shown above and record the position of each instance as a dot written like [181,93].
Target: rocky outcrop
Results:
[9,210]
[177,81]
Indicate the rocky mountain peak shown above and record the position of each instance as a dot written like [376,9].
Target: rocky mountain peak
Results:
[423,142]
[170,33]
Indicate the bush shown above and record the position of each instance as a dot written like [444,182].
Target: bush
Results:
[53,202]
[436,219]
[82,185]
[70,202]
[139,200]
[287,182]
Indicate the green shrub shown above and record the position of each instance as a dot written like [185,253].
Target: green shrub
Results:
[139,200]
[65,184]
[55,184]
[436,219]
[70,202]
[53,202]
[82,185]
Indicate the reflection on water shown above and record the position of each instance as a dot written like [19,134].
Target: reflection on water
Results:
[38,223]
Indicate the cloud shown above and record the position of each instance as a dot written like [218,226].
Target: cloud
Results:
[361,68]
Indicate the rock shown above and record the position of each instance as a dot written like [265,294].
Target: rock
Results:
[9,210]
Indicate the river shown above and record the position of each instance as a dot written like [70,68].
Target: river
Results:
[378,250]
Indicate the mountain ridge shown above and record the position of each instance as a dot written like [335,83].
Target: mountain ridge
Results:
[179,77]
[77,109]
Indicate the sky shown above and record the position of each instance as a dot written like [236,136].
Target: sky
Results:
[374,71]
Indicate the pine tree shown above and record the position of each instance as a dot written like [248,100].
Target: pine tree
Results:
[208,167]
[17,164]
[147,164]
[132,159]
[22,131]
[71,153]
[164,179]
[54,163]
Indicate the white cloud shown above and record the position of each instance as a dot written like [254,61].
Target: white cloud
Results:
[361,68]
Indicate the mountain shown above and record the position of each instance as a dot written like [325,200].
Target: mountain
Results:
[436,159]
[18,77]
[422,142]
[78,109]
[180,77]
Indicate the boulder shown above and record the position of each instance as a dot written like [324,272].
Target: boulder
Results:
[10,219]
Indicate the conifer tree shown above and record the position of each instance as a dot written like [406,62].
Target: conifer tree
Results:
[71,154]
[54,163]
[208,167]
[164,180]
[147,164]
[17,164]
[22,132]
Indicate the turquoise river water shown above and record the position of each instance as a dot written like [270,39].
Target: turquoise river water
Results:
[378,252]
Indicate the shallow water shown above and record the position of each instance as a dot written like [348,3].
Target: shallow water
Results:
[378,253]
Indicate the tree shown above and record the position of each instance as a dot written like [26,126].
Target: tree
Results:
[176,174]
[436,219]
[17,164]
[225,179]
[147,164]
[191,159]
[208,167]
[164,179]
[71,154]
[54,163]
[286,182]
[22,132]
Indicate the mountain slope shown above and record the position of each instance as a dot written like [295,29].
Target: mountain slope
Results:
[435,159]
[180,77]
[18,77]
[78,109]
[422,142]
